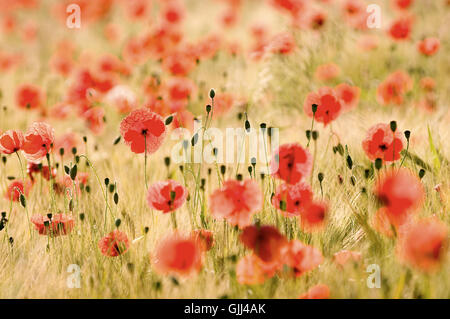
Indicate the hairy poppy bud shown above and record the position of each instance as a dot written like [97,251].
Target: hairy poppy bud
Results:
[378,163]
[106,181]
[74,150]
[407,134]
[116,198]
[73,172]
[117,140]
[239,177]
[247,125]
[118,222]
[212,93]
[349,162]
[223,169]
[208,108]
[61,151]
[421,173]
[314,108]
[393,125]
[308,134]
[82,216]
[320,177]
[167,161]
[168,120]
[315,135]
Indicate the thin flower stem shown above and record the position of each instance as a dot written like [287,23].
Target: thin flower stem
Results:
[145,162]
[23,181]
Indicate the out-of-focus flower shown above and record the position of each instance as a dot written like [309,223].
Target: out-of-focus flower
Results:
[38,141]
[11,141]
[58,224]
[114,244]
[166,196]
[292,199]
[329,105]
[429,46]
[317,292]
[381,142]
[291,163]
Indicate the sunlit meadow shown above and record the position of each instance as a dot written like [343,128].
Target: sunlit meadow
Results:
[358,195]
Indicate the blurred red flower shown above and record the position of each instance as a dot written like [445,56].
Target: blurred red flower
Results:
[11,141]
[301,258]
[349,96]
[327,72]
[38,142]
[423,244]
[178,254]
[266,242]
[429,46]
[114,244]
[401,28]
[236,201]
[292,199]
[29,96]
[393,88]
[401,192]
[16,188]
[328,105]
[59,224]
[205,238]
[291,163]
[343,257]
[143,130]
[316,292]
[251,270]
[314,215]
[381,142]
[166,196]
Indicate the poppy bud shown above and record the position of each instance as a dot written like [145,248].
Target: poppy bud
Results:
[421,173]
[112,188]
[61,151]
[77,159]
[117,140]
[262,176]
[106,181]
[378,163]
[353,180]
[82,216]
[118,222]
[202,182]
[315,135]
[71,205]
[239,177]
[4,159]
[263,126]
[167,161]
[73,172]
[215,151]
[212,93]
[407,134]
[11,240]
[49,216]
[194,139]
[23,201]
[320,177]
[85,139]
[349,162]
[250,169]
[181,167]
[366,173]
[208,108]
[116,198]
[314,108]
[146,229]
[174,281]
[168,120]
[223,169]
[240,115]
[10,178]
[247,126]
[209,171]
[308,134]
[88,188]
[393,125]
[74,150]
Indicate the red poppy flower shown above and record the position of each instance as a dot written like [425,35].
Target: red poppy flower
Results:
[29,96]
[401,28]
[265,241]
[205,238]
[291,163]
[313,217]
[427,83]
[15,189]
[114,244]
[236,202]
[429,46]
[343,257]
[11,141]
[316,292]
[143,131]
[59,224]
[401,192]
[300,257]
[423,244]
[291,199]
[381,142]
[382,224]
[349,96]
[180,88]
[38,141]
[250,270]
[402,4]
[33,168]
[166,196]
[328,105]
[178,254]
[283,43]
[392,90]
[327,72]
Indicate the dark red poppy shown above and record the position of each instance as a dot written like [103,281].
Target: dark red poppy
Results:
[59,224]
[114,244]
[166,196]
[292,199]
[143,130]
[38,142]
[291,163]
[265,241]
[381,142]
[328,105]
[11,141]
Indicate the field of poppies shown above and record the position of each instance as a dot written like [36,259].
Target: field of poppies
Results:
[224,149]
